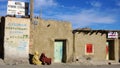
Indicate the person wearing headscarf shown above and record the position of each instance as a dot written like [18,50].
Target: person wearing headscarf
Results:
[35,58]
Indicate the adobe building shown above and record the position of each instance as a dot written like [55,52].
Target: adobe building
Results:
[89,44]
[95,45]
[14,40]
[54,38]
[20,38]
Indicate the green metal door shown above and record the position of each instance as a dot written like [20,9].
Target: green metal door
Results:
[58,51]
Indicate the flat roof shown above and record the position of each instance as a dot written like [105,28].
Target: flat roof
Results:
[102,31]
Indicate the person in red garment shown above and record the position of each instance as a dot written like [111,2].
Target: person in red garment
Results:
[44,59]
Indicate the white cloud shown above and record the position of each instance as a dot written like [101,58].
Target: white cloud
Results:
[88,17]
[96,4]
[44,3]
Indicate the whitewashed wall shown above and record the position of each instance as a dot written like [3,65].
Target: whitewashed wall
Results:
[16,40]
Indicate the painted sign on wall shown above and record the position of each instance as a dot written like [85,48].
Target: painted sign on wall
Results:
[16,41]
[113,35]
[17,8]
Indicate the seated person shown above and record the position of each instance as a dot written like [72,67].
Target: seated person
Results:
[35,59]
[44,59]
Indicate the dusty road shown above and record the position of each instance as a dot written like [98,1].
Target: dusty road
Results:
[60,66]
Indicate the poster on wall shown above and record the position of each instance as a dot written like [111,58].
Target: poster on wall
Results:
[89,49]
[17,8]
[16,41]
[113,35]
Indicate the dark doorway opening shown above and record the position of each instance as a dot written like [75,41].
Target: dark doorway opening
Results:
[2,26]
[111,48]
[64,51]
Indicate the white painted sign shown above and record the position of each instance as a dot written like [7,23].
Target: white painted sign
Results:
[17,8]
[113,35]
[16,41]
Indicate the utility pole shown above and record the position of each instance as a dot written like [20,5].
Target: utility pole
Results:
[32,48]
[31,10]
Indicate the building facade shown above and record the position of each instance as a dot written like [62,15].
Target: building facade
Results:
[54,38]
[89,44]
[96,45]
[15,39]
[20,38]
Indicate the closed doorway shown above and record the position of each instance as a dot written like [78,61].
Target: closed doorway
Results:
[59,51]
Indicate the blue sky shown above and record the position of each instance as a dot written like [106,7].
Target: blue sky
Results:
[95,14]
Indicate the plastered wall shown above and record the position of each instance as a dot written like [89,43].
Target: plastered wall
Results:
[16,40]
[98,41]
[46,32]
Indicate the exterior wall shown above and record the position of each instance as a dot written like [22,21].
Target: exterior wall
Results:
[99,43]
[46,32]
[117,50]
[16,40]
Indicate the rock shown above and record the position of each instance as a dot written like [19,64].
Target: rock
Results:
[2,62]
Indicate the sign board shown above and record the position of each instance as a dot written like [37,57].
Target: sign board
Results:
[113,35]
[89,49]
[17,8]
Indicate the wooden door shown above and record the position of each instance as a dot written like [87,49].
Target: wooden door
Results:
[58,51]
